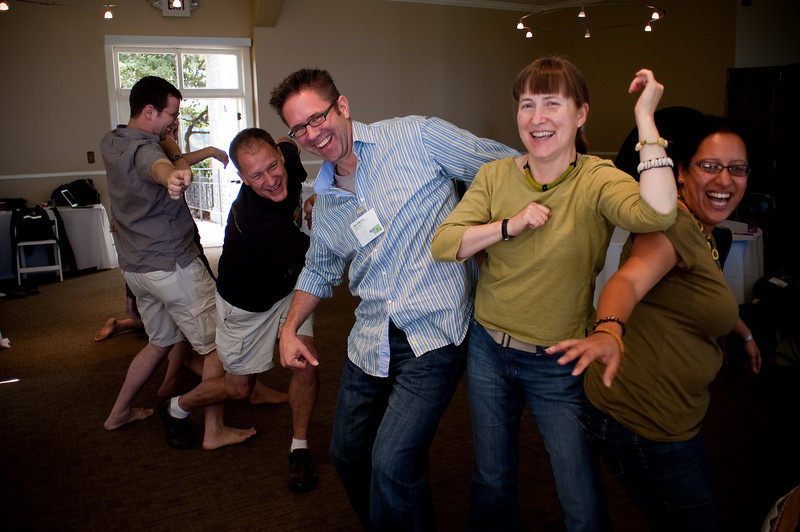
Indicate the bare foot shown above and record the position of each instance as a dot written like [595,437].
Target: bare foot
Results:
[264,395]
[134,414]
[228,436]
[109,329]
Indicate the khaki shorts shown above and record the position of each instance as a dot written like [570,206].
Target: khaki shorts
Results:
[176,304]
[246,340]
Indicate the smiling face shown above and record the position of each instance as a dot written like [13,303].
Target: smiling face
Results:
[261,168]
[166,119]
[332,139]
[713,197]
[547,125]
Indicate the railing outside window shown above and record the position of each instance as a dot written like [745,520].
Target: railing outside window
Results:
[204,195]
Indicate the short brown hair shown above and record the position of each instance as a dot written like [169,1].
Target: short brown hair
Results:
[303,79]
[554,75]
[245,139]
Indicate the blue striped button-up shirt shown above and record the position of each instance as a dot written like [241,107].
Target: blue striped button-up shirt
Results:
[405,172]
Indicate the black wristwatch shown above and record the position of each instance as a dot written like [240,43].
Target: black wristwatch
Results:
[176,157]
[504,229]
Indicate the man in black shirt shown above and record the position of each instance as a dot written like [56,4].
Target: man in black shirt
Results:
[262,256]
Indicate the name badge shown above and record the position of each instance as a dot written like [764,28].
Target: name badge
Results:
[366,227]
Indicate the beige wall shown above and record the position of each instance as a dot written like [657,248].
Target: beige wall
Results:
[393,59]
[389,58]
[53,94]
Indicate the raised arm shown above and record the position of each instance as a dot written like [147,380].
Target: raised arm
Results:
[194,157]
[656,180]
[652,256]
[173,150]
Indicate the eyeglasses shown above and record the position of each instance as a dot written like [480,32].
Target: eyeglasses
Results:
[317,120]
[711,167]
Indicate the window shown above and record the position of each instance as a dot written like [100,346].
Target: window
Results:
[214,78]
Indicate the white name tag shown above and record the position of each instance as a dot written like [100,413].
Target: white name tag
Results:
[367,227]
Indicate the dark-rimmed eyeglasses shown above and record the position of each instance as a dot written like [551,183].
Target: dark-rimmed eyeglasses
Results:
[317,120]
[714,168]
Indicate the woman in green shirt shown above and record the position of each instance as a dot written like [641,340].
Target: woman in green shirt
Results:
[545,220]
[670,295]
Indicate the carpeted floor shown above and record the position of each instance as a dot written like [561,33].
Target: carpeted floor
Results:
[61,470]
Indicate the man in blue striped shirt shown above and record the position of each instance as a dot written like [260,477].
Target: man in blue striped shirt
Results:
[382,191]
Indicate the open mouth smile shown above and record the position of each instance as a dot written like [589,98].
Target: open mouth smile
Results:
[718,199]
[324,143]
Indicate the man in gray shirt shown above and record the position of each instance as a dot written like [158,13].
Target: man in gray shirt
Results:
[155,243]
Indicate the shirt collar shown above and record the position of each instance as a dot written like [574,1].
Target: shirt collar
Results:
[326,175]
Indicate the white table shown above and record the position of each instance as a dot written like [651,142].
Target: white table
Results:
[743,267]
[745,263]
[89,235]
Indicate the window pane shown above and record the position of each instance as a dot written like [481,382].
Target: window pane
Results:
[209,122]
[134,66]
[210,71]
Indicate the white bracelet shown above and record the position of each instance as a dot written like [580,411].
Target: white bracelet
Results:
[660,162]
[748,338]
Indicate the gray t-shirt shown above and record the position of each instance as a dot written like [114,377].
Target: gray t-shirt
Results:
[153,231]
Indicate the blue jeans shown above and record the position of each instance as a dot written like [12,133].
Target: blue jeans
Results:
[668,481]
[500,382]
[383,430]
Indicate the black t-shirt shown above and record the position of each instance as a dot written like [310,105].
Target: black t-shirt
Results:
[264,249]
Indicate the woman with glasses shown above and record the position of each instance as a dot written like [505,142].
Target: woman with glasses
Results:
[671,302]
[545,219]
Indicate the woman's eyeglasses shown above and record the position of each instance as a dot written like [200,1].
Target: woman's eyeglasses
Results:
[711,167]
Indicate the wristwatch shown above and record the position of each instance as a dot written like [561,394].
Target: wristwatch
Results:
[504,230]
[176,157]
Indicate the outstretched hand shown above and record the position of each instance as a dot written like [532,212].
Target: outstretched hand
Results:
[651,89]
[602,348]
[178,181]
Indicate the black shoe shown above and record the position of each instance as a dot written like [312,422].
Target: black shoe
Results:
[302,474]
[177,432]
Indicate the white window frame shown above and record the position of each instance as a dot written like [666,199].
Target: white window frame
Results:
[179,45]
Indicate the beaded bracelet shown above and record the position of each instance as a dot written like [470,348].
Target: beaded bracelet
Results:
[660,141]
[607,319]
[615,337]
[660,162]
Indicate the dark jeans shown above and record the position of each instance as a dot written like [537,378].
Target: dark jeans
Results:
[501,381]
[383,430]
[668,481]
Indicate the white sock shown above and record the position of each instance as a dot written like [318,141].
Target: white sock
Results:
[298,444]
[175,409]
